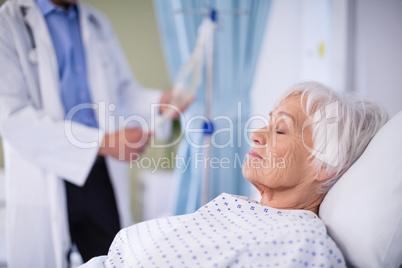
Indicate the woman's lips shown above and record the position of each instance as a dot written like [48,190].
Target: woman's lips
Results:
[254,154]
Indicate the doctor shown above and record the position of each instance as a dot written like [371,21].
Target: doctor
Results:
[64,85]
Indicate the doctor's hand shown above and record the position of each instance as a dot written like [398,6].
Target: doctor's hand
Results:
[166,104]
[126,144]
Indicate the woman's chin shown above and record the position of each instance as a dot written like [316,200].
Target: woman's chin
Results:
[248,173]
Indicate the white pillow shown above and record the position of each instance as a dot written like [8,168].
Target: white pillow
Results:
[363,210]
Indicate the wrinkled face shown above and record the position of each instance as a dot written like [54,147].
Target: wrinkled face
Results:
[279,159]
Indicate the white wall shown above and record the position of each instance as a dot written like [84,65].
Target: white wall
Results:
[362,49]
[378,62]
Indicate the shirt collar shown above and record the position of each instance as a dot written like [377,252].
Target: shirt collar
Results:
[47,7]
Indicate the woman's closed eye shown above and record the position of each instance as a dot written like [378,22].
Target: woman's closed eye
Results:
[281,129]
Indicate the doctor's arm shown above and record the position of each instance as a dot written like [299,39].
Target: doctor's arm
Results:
[29,130]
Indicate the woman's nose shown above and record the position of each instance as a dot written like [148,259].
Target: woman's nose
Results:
[259,137]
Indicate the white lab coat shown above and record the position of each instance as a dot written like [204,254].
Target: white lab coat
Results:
[37,152]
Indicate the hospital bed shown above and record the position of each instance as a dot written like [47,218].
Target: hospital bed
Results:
[363,211]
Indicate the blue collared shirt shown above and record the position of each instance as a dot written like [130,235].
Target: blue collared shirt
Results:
[65,32]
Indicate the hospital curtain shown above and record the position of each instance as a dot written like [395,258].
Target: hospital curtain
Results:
[238,37]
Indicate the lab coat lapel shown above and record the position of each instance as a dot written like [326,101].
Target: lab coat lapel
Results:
[47,63]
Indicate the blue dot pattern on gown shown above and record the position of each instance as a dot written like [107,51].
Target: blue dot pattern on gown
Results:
[230,231]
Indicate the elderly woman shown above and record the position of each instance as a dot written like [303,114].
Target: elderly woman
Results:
[315,135]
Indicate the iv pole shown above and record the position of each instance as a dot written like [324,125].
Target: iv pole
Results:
[208,125]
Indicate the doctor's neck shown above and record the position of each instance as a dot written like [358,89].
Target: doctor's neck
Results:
[64,3]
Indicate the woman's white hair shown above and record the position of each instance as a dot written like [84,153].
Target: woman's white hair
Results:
[342,126]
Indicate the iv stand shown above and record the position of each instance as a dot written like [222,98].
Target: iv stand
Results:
[208,125]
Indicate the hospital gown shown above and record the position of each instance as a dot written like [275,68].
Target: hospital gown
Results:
[230,231]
